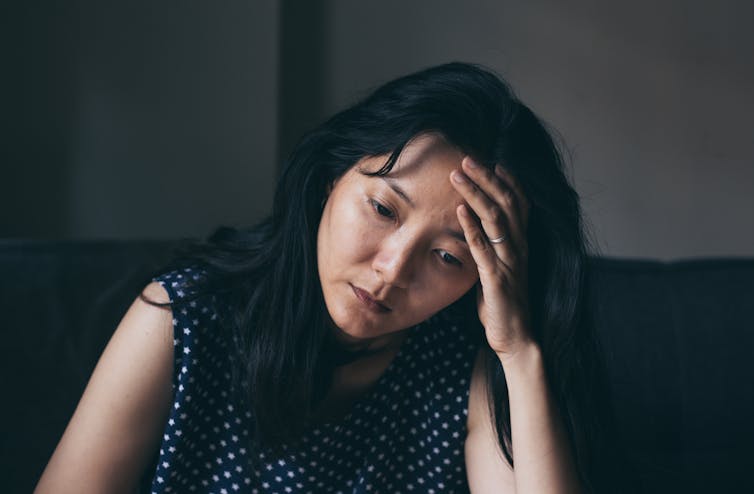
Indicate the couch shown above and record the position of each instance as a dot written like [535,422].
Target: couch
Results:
[678,339]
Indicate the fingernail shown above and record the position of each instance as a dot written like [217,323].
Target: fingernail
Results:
[471,163]
[458,177]
[499,170]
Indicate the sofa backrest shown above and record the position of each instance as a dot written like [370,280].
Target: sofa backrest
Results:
[678,339]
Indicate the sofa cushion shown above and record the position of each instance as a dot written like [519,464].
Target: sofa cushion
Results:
[679,344]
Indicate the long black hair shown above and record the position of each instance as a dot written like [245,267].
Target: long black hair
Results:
[277,318]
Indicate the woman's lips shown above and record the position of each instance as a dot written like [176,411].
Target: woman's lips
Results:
[368,301]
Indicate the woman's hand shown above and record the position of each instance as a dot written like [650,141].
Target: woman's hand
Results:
[499,203]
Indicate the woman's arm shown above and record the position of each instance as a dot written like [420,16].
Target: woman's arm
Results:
[499,244]
[118,422]
[486,467]
[542,457]
[542,453]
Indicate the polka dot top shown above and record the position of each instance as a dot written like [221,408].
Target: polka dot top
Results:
[406,434]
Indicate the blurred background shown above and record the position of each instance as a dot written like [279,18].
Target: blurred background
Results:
[159,120]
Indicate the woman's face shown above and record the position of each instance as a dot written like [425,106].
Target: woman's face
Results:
[408,253]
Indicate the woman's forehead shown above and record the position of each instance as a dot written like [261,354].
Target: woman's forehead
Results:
[422,150]
[418,165]
[424,189]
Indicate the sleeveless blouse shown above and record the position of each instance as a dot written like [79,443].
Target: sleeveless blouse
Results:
[406,434]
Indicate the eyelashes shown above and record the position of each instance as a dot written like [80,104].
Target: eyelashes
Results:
[387,213]
[452,260]
[379,207]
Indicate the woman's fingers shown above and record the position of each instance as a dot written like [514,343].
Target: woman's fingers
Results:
[495,199]
[503,188]
[485,257]
[521,204]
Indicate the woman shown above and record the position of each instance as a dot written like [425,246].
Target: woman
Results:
[414,302]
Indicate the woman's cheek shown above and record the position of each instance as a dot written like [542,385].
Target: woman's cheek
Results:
[365,231]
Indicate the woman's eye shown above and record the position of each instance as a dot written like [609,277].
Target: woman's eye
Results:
[382,210]
[448,259]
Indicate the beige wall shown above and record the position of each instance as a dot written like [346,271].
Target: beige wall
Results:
[655,100]
[139,119]
[184,123]
[149,120]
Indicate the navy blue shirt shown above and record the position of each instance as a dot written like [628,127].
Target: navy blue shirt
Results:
[406,434]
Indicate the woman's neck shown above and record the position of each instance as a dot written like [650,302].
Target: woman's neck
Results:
[346,352]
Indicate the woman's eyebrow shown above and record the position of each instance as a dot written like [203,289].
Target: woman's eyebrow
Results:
[397,188]
[456,235]
[402,193]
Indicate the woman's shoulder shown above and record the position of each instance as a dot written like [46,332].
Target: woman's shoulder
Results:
[196,309]
[181,283]
[123,407]
[193,292]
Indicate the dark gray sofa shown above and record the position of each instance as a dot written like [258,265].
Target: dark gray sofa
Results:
[678,339]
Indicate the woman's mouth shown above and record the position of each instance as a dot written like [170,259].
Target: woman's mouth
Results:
[368,301]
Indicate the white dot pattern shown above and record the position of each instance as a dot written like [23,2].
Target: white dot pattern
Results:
[404,435]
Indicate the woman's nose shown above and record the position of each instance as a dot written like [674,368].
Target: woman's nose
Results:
[394,262]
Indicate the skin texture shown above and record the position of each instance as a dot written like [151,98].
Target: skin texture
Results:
[370,237]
